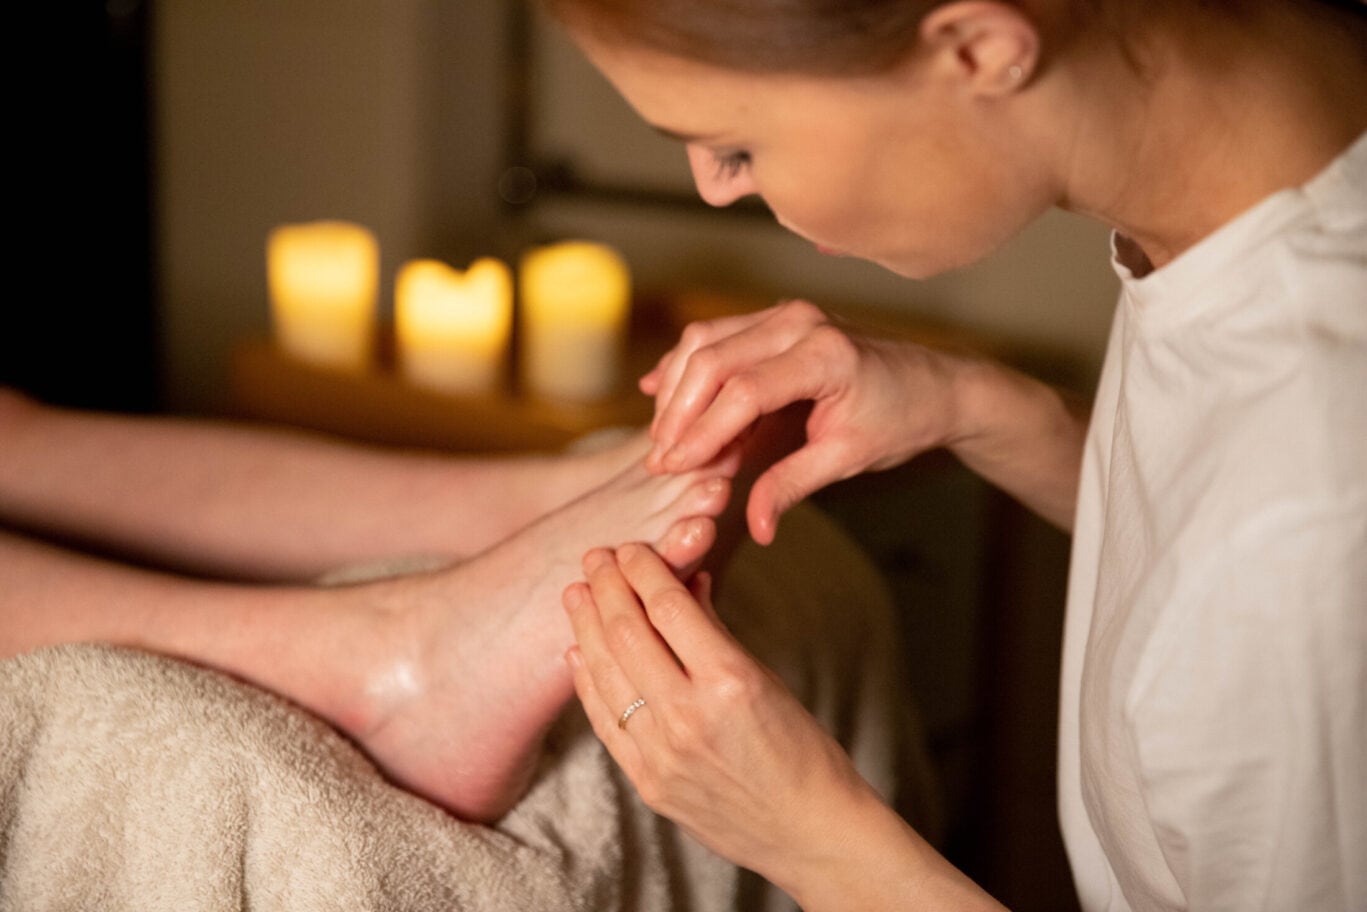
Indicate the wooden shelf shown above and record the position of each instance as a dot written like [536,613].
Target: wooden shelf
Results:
[381,407]
[268,385]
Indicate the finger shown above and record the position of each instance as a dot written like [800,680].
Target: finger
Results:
[665,377]
[664,380]
[651,380]
[709,351]
[598,710]
[635,644]
[691,631]
[602,716]
[694,336]
[794,478]
[615,690]
[700,587]
[699,372]
[744,399]
[710,414]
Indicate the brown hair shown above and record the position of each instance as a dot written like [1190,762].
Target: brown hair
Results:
[833,37]
[822,37]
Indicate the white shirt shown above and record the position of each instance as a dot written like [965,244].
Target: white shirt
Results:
[1213,724]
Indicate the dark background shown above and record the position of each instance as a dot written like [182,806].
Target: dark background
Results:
[82,328]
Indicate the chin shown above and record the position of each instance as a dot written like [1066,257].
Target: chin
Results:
[923,264]
[920,268]
[909,272]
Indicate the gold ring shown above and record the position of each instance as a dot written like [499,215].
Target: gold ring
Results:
[626,713]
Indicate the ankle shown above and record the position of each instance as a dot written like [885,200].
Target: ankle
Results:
[381,655]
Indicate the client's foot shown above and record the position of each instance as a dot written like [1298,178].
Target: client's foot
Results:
[473,671]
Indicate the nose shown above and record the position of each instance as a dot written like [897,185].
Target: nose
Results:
[716,185]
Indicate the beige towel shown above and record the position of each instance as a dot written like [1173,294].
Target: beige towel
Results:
[134,782]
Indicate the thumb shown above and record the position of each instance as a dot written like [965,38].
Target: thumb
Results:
[789,481]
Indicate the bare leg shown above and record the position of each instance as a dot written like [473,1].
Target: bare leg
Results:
[446,679]
[267,504]
[457,711]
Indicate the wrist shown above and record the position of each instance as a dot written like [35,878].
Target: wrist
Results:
[996,406]
[925,391]
[874,860]
[980,391]
[1022,435]
[851,868]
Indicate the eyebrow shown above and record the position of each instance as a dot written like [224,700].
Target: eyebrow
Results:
[675,135]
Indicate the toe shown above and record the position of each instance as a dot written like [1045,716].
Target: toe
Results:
[707,497]
[686,543]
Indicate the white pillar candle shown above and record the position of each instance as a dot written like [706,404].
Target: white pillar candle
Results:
[452,328]
[323,279]
[575,299]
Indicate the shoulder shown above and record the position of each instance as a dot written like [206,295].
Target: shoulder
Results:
[1322,259]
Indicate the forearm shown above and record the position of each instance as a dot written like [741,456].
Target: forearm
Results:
[865,858]
[1022,435]
[252,502]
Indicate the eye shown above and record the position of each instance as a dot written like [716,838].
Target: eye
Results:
[730,164]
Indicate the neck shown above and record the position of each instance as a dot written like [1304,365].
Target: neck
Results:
[1207,116]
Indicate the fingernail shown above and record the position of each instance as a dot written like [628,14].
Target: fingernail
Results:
[595,559]
[573,658]
[628,552]
[573,596]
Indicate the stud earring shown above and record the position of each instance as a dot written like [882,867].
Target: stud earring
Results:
[1015,72]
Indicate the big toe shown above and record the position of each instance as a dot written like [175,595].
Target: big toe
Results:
[686,543]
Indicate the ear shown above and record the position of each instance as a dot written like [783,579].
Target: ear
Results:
[992,47]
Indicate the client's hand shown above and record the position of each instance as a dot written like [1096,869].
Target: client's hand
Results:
[876,403]
[710,738]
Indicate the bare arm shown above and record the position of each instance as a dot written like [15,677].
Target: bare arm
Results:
[1024,436]
[260,503]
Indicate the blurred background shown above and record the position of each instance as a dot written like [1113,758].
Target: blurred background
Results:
[165,140]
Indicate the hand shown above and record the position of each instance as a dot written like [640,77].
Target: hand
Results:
[720,745]
[876,403]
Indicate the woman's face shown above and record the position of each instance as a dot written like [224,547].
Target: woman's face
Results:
[909,169]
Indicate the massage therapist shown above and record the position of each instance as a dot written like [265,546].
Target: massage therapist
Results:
[1213,725]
